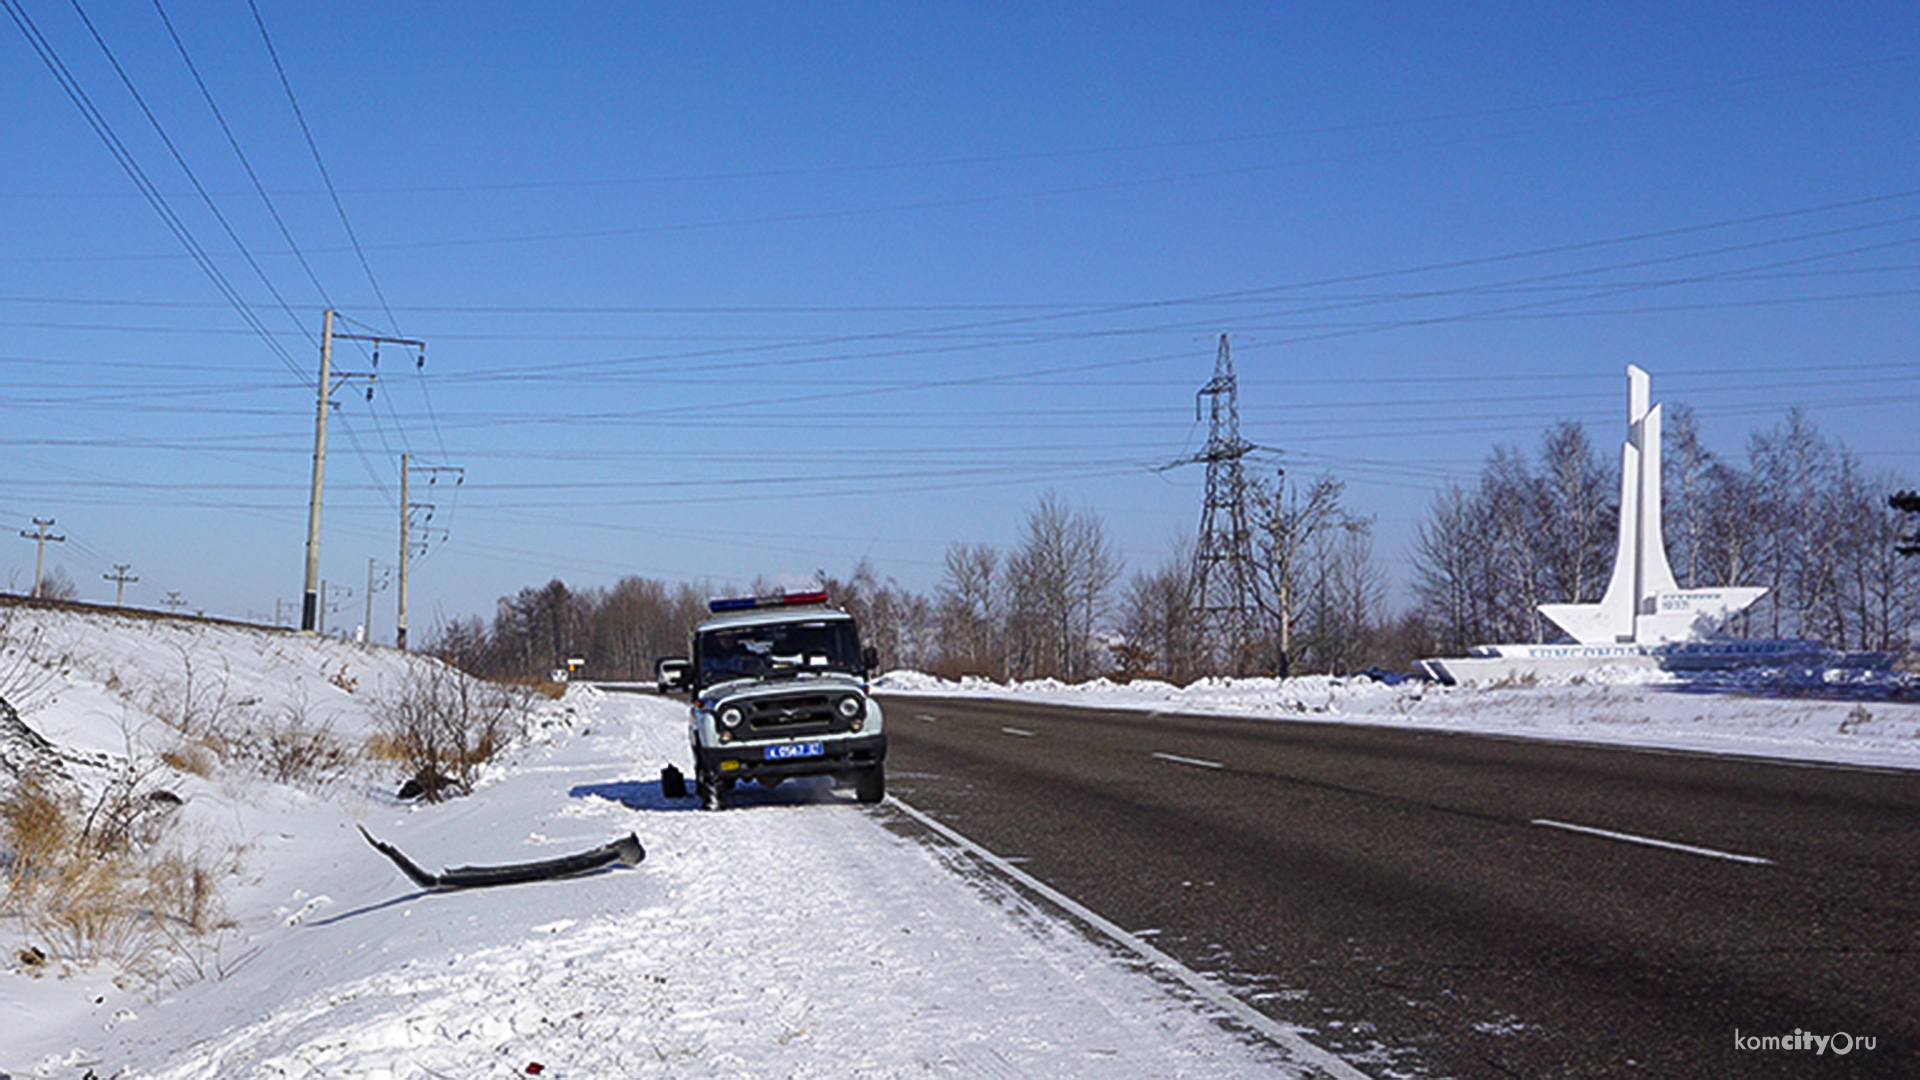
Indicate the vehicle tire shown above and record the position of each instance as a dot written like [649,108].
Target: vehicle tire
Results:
[713,793]
[871,786]
[673,783]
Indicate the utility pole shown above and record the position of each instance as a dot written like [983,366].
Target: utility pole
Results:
[120,580]
[40,535]
[330,603]
[366,628]
[407,543]
[311,601]
[174,602]
[310,595]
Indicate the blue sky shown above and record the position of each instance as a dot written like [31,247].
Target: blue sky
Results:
[715,292]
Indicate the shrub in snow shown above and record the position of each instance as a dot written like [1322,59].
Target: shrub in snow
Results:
[27,675]
[85,878]
[442,725]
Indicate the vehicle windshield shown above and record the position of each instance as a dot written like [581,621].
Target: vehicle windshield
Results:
[777,649]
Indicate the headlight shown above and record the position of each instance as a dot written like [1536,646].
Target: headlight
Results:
[731,717]
[850,707]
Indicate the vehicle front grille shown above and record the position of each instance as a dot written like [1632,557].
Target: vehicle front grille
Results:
[796,714]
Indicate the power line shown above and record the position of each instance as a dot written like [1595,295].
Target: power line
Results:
[180,160]
[1127,148]
[70,85]
[320,164]
[234,142]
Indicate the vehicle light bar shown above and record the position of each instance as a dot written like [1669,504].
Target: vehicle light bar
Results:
[749,603]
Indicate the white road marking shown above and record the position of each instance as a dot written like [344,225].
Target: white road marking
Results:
[1178,760]
[1286,1036]
[1023,733]
[1651,842]
[924,716]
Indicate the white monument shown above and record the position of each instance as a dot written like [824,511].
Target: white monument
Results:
[1642,604]
[1644,618]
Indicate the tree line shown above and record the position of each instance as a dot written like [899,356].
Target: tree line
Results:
[1798,513]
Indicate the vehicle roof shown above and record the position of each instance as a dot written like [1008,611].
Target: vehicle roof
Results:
[773,616]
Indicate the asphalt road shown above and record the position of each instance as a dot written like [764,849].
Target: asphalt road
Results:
[1426,902]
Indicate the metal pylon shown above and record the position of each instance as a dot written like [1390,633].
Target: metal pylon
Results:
[1223,597]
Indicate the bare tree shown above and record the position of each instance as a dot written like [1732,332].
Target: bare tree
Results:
[1514,504]
[1161,637]
[1729,551]
[1293,521]
[1454,576]
[895,621]
[1057,581]
[635,622]
[1687,466]
[1795,470]
[1577,517]
[1883,583]
[58,586]
[1346,594]
[968,608]
[463,643]
[536,630]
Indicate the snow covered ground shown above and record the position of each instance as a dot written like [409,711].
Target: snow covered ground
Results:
[1830,715]
[801,935]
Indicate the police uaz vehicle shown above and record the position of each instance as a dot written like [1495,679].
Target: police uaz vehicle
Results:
[779,689]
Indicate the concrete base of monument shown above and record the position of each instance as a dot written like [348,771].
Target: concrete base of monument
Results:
[1487,664]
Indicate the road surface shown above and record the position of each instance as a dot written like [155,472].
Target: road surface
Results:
[1441,904]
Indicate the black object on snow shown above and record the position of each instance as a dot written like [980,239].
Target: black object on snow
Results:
[673,783]
[427,780]
[626,851]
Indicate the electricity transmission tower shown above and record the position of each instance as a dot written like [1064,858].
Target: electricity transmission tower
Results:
[1223,588]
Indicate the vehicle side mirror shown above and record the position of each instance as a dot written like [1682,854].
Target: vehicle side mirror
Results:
[671,673]
[870,659]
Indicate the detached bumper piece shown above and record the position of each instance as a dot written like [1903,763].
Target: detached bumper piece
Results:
[625,851]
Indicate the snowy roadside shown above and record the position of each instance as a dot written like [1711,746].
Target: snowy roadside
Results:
[1827,716]
[796,936]
[800,935]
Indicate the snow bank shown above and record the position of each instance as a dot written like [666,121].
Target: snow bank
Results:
[1833,715]
[112,677]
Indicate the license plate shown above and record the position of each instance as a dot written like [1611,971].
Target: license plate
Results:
[795,750]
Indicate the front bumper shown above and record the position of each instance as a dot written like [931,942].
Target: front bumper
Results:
[749,761]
